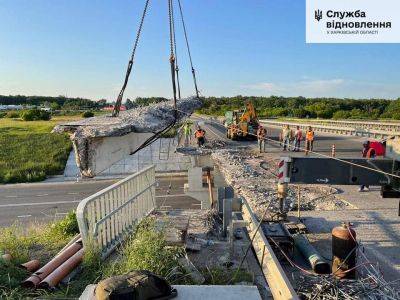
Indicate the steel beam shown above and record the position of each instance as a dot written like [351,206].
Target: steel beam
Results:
[278,282]
[313,170]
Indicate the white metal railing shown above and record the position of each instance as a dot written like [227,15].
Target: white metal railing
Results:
[108,216]
[376,125]
[335,129]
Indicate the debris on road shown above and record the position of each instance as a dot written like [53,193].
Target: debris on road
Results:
[242,170]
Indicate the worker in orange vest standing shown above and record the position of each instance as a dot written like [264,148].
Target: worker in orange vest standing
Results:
[367,152]
[309,140]
[200,136]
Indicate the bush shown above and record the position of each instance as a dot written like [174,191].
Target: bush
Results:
[146,250]
[67,226]
[35,115]
[13,114]
[341,114]
[88,114]
[2,114]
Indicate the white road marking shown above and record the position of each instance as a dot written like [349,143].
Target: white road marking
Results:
[71,193]
[42,195]
[24,216]
[37,203]
[67,202]
[11,196]
[169,196]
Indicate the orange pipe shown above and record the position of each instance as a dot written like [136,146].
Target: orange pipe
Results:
[62,271]
[31,266]
[41,274]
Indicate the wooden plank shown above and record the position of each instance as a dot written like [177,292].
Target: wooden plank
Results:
[279,284]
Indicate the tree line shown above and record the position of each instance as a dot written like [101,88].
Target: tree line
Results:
[273,106]
[301,107]
[66,103]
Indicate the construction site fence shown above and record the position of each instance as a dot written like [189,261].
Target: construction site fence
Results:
[378,134]
[106,218]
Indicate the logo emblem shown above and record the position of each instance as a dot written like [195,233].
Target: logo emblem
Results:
[318,15]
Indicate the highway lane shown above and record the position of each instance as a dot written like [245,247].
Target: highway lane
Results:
[43,202]
[346,146]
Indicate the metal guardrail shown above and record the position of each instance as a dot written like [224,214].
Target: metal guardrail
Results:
[337,130]
[384,126]
[108,216]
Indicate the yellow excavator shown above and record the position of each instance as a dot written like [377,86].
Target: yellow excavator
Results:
[242,124]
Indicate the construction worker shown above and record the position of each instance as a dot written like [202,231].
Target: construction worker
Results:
[367,152]
[200,136]
[261,134]
[187,132]
[309,140]
[286,137]
[298,136]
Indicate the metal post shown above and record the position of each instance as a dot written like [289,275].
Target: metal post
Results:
[227,215]
[298,201]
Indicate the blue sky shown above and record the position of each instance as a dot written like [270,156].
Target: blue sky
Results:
[257,47]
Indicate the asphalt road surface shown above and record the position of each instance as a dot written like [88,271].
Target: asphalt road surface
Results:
[346,146]
[44,202]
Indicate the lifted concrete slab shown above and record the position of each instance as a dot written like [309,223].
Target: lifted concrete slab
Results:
[101,141]
[100,153]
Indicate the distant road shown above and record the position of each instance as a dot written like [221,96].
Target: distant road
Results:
[346,146]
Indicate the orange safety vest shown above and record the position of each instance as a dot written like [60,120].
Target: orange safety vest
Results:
[310,135]
[199,133]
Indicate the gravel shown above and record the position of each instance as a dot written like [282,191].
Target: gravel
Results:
[242,170]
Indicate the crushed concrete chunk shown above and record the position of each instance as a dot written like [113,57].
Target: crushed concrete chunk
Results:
[135,126]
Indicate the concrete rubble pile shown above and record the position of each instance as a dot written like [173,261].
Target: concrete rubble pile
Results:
[87,134]
[242,170]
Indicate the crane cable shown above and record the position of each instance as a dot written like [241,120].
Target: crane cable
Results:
[172,54]
[117,106]
[157,135]
[176,53]
[188,49]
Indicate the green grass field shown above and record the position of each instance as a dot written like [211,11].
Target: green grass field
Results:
[29,152]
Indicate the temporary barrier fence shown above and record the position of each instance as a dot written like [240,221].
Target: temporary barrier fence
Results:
[108,216]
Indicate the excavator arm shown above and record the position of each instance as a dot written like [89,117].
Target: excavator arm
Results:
[249,113]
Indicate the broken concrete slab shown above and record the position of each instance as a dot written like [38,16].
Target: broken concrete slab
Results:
[101,141]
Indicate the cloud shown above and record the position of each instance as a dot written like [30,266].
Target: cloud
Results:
[336,87]
[303,87]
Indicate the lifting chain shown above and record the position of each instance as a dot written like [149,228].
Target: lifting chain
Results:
[118,103]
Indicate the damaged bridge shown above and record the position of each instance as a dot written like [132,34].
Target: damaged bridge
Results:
[99,142]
